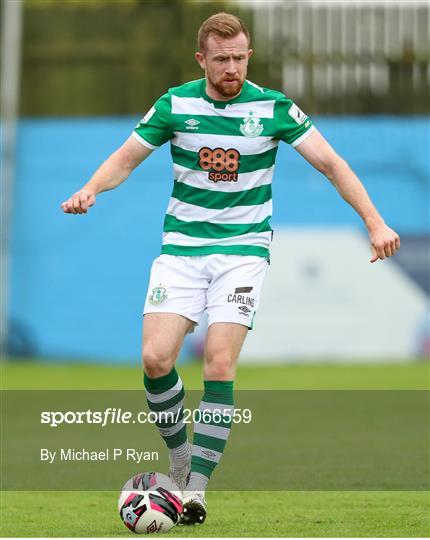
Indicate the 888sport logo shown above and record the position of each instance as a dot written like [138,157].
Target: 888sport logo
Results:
[222,165]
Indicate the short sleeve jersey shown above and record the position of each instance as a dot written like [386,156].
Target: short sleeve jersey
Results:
[223,162]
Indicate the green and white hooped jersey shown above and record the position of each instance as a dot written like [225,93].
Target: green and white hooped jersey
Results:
[223,161]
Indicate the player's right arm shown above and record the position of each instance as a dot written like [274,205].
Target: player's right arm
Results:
[151,132]
[109,175]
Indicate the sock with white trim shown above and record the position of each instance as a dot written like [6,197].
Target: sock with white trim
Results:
[163,394]
[210,432]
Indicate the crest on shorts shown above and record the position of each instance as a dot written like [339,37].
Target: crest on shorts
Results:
[158,295]
[251,126]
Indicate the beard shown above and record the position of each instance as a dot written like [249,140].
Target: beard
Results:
[227,89]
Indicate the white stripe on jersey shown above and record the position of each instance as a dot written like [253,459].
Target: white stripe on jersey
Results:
[254,239]
[199,179]
[244,145]
[194,106]
[303,137]
[143,141]
[237,215]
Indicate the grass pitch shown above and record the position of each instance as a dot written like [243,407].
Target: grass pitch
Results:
[230,514]
[241,514]
[52,375]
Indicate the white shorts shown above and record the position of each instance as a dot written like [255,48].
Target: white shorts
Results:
[227,287]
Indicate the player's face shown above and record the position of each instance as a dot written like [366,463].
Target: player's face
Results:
[225,62]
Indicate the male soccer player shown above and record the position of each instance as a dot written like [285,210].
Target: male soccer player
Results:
[224,132]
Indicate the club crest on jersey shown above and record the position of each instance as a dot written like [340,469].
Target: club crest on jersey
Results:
[251,126]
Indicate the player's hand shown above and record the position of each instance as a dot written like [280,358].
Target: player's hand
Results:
[79,202]
[384,242]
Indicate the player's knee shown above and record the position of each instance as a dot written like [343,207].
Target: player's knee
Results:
[220,366]
[156,363]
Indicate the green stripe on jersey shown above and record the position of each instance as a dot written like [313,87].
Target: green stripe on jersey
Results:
[208,198]
[248,163]
[238,249]
[218,125]
[251,123]
[203,229]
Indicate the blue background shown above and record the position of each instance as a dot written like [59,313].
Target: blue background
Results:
[78,282]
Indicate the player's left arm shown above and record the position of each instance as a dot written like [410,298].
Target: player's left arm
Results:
[317,151]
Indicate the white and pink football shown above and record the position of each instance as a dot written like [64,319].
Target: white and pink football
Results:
[150,503]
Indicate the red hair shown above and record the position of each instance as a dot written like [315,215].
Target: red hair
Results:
[223,25]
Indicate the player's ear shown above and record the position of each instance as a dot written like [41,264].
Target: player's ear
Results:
[250,51]
[199,56]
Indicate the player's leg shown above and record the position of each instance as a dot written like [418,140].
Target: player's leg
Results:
[233,298]
[163,335]
[175,300]
[223,344]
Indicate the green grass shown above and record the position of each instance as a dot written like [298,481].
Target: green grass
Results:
[256,514]
[252,514]
[380,376]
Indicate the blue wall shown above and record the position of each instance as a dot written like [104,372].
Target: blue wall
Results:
[78,282]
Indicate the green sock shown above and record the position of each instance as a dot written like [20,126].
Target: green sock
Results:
[211,432]
[167,393]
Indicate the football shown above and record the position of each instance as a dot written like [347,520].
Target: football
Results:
[150,503]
